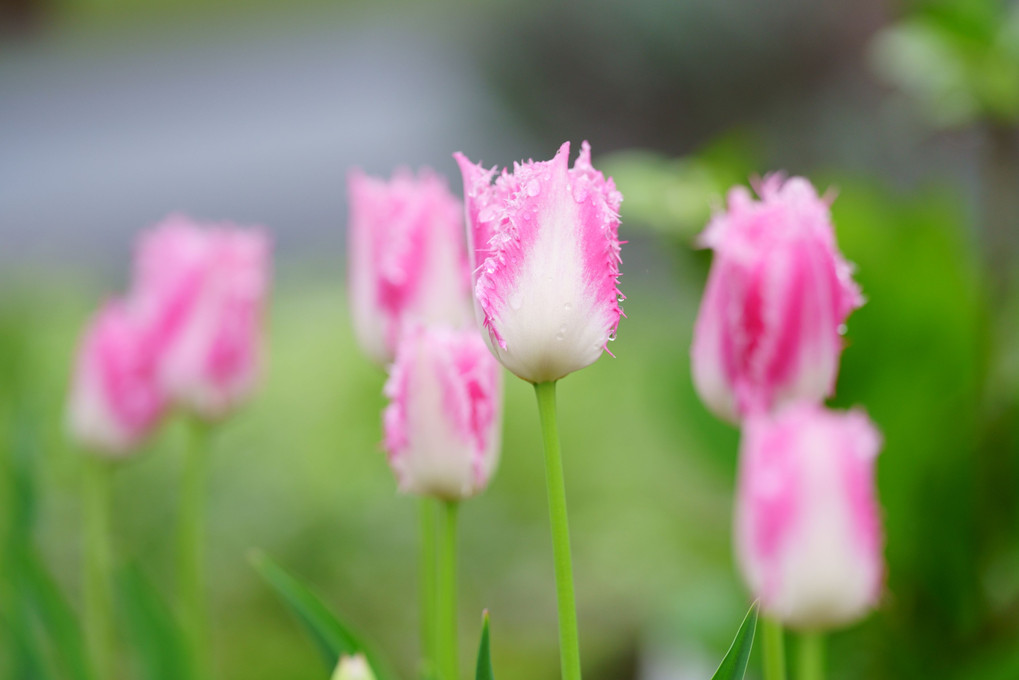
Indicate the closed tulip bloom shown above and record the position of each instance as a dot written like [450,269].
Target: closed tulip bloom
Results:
[115,400]
[442,424]
[408,258]
[353,668]
[808,531]
[202,290]
[770,323]
[546,259]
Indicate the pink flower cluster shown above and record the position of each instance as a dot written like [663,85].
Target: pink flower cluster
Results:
[543,251]
[765,353]
[187,334]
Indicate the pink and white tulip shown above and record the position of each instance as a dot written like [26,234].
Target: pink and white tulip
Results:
[353,668]
[202,289]
[408,258]
[808,530]
[545,247]
[770,325]
[442,425]
[115,400]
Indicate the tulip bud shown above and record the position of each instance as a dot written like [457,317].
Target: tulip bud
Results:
[201,291]
[353,668]
[115,401]
[545,250]
[808,530]
[770,323]
[408,258]
[442,425]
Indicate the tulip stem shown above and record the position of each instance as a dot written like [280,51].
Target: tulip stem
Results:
[98,587]
[774,649]
[569,639]
[191,546]
[426,586]
[811,656]
[447,658]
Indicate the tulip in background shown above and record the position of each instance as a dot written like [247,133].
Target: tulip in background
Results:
[115,401]
[808,531]
[114,404]
[442,434]
[770,323]
[407,255]
[202,290]
[545,249]
[442,425]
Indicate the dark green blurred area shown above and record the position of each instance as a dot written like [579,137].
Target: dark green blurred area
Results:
[933,357]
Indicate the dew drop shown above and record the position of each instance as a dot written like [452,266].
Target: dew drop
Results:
[612,336]
[516,301]
[842,329]
[580,194]
[533,188]
[567,307]
[488,214]
[560,336]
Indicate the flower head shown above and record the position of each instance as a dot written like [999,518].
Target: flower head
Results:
[808,530]
[201,290]
[545,247]
[769,327]
[442,425]
[408,258]
[115,400]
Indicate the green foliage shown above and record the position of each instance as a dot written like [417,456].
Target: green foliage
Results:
[333,638]
[156,638]
[734,665]
[484,665]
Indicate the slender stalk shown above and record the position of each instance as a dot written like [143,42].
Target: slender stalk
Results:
[191,547]
[447,655]
[98,587]
[774,649]
[426,585]
[569,639]
[811,657]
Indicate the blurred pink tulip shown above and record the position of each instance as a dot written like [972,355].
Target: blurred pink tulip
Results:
[442,425]
[546,259]
[770,323]
[808,531]
[407,258]
[115,400]
[201,290]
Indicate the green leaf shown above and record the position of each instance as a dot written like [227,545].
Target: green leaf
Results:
[484,669]
[155,634]
[331,636]
[734,665]
[57,619]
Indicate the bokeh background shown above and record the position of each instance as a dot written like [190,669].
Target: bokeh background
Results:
[114,113]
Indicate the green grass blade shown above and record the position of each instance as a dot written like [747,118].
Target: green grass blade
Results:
[56,619]
[155,634]
[331,636]
[484,669]
[734,665]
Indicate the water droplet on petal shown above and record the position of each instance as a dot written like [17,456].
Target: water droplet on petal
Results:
[612,336]
[533,188]
[567,307]
[516,301]
[560,336]
[580,194]
[842,329]
[488,214]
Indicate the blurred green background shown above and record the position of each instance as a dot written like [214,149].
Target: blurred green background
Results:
[113,113]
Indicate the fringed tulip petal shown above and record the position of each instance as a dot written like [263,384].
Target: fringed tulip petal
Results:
[546,252]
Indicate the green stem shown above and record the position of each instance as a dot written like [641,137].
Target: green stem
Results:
[569,640]
[98,588]
[811,656]
[191,547]
[774,649]
[426,585]
[445,592]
